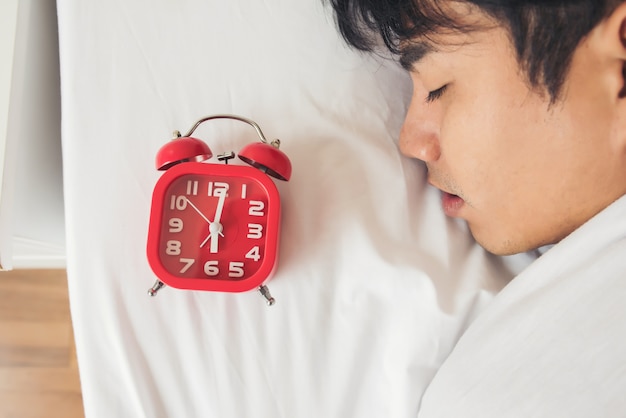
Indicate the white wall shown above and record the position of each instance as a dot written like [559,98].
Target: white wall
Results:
[8,24]
[34,128]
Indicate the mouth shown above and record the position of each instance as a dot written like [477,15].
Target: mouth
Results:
[450,203]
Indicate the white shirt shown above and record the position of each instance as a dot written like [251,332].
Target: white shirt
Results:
[553,342]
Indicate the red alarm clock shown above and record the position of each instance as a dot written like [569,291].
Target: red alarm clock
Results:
[216,226]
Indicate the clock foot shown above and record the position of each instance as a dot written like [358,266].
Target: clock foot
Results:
[267,295]
[155,288]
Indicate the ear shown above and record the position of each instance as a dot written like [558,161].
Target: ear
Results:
[611,40]
[613,31]
[607,43]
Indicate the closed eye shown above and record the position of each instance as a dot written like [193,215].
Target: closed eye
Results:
[436,94]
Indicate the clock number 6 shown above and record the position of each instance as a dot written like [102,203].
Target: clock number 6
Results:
[211,269]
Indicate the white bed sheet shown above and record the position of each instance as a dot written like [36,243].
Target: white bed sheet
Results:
[374,285]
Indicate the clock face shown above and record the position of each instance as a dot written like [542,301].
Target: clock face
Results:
[214,227]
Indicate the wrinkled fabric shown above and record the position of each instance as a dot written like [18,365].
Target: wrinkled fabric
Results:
[552,343]
[374,285]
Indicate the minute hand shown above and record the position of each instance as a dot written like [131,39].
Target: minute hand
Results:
[198,210]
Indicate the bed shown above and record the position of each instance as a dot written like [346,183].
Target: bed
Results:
[374,285]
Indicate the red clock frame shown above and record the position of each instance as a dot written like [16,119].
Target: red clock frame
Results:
[235,238]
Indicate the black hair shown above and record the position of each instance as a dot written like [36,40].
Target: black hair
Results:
[544,33]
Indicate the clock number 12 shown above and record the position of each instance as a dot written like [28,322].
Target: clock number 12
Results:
[216,188]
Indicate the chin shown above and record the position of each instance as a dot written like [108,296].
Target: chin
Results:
[503,250]
[499,245]
[505,246]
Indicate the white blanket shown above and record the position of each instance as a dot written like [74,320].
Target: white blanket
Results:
[553,342]
[374,286]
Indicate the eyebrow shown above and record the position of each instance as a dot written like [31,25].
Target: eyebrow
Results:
[414,53]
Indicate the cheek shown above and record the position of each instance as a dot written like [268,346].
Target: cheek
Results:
[475,142]
[497,152]
[512,168]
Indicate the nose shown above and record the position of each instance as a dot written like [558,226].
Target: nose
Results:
[419,137]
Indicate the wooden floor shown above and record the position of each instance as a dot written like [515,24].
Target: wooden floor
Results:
[38,371]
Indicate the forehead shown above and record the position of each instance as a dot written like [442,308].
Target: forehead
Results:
[440,26]
[413,52]
[418,50]
[475,31]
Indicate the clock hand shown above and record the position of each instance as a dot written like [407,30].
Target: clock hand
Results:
[220,206]
[205,240]
[198,210]
[216,227]
[213,228]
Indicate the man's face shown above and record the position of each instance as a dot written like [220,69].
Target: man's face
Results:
[521,171]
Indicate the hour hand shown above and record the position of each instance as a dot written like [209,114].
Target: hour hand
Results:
[216,228]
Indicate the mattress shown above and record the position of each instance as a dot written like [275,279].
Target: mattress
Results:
[373,286]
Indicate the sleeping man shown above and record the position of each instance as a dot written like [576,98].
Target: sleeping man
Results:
[519,113]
